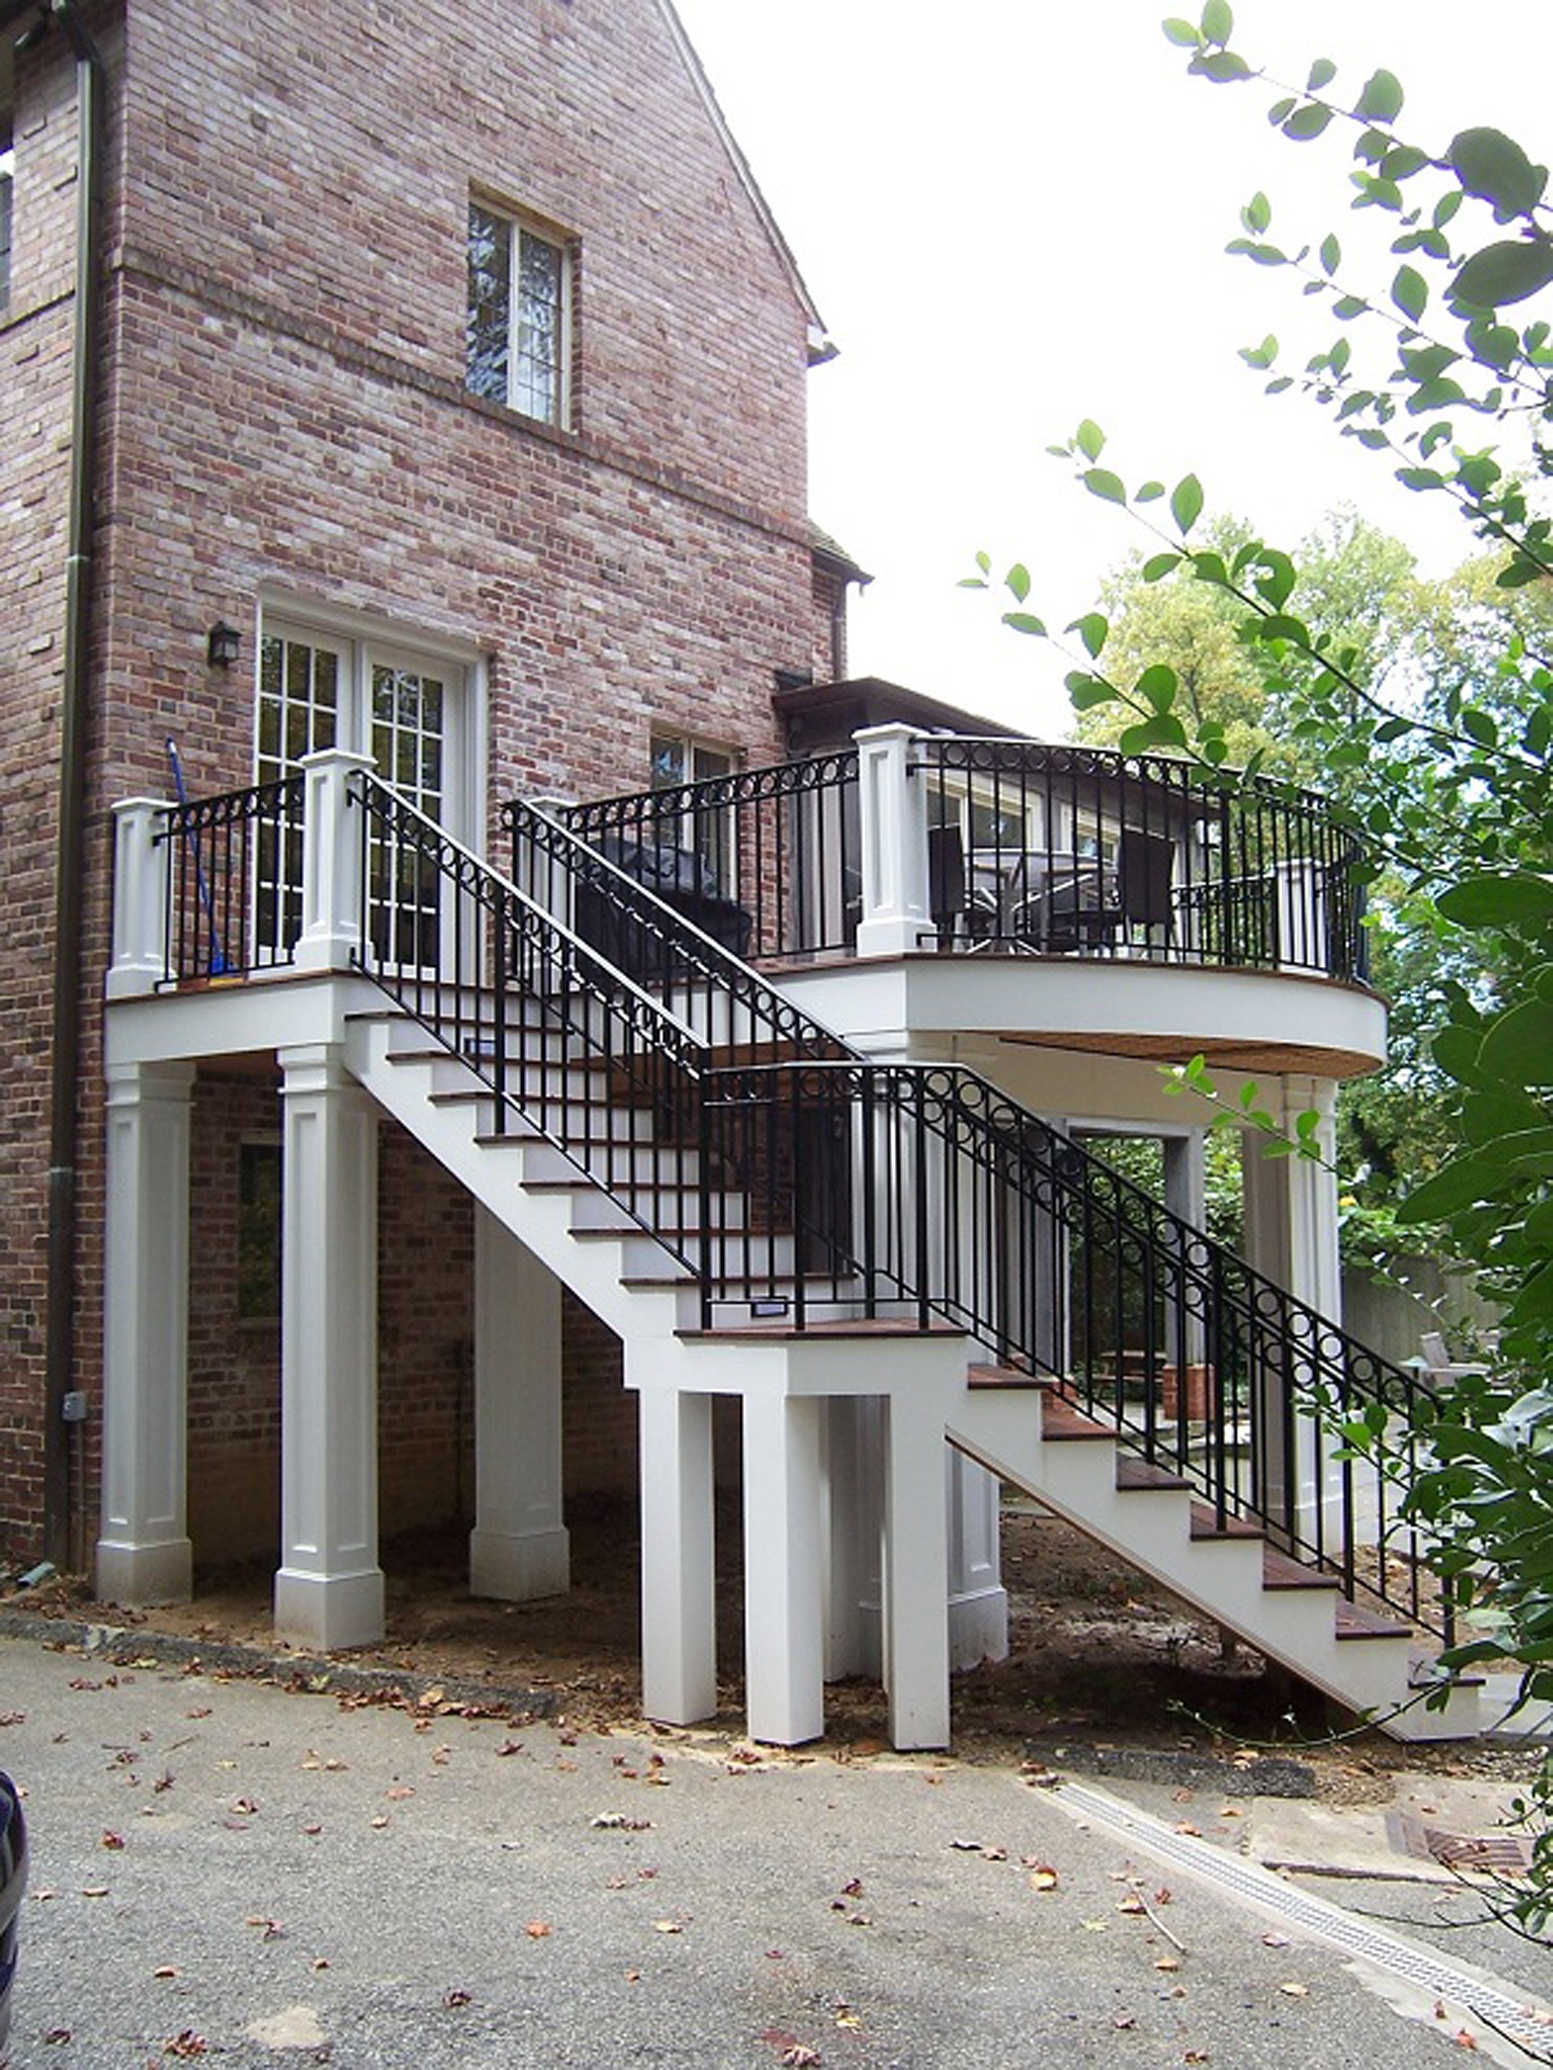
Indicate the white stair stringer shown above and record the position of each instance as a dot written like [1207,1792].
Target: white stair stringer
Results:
[1002,1427]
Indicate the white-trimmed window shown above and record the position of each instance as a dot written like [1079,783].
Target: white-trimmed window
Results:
[414,712]
[517,335]
[7,183]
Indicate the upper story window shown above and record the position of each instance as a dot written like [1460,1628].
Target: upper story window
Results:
[7,181]
[517,342]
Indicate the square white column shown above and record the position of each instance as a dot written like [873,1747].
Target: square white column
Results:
[978,1601]
[143,1554]
[519,1547]
[329,1590]
[916,1572]
[679,1609]
[784,1608]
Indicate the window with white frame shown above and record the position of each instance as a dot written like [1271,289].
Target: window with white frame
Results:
[7,182]
[410,711]
[704,830]
[518,331]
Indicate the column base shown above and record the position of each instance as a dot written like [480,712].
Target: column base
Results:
[145,1574]
[520,1566]
[329,1611]
[978,1627]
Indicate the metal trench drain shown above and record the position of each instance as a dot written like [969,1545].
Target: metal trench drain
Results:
[1520,2019]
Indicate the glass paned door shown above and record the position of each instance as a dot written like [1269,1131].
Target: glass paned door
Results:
[409,707]
[302,682]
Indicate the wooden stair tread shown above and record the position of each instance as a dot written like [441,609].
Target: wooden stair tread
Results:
[1358,1621]
[1206,1525]
[1061,1421]
[1280,1571]
[765,1333]
[1133,1474]
[992,1378]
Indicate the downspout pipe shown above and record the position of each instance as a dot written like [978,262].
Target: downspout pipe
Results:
[64,1100]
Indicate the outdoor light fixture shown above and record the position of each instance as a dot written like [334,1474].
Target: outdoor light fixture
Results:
[224,644]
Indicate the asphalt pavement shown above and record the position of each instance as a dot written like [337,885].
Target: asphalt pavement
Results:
[231,1871]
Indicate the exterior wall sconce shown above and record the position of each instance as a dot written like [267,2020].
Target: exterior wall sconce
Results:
[224,644]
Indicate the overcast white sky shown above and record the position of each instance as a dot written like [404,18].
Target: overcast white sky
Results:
[1012,215]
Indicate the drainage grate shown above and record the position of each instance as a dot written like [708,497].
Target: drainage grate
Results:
[1496,1854]
[1519,2019]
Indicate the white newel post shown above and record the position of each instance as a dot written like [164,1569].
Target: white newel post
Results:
[892,816]
[140,881]
[329,1590]
[679,1609]
[332,880]
[143,1554]
[519,1547]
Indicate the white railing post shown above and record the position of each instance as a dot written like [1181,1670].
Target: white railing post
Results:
[332,879]
[141,877]
[892,813]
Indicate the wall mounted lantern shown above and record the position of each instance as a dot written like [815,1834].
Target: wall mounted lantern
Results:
[224,645]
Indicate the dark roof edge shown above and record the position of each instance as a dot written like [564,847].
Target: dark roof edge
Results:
[889,703]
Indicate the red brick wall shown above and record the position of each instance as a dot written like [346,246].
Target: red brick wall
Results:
[284,414]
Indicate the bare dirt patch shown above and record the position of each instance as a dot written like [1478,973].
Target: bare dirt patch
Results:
[1100,1655]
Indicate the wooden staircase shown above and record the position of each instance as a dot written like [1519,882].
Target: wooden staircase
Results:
[612,1238]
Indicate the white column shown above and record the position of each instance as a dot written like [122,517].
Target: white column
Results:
[892,816]
[784,1616]
[518,1548]
[854,1541]
[679,1608]
[978,1601]
[916,1573]
[332,875]
[329,1590]
[1186,1195]
[144,1555]
[140,884]
[1291,1238]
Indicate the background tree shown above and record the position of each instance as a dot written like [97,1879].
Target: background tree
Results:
[1452,785]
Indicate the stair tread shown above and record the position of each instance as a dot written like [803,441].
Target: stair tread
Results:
[765,1333]
[991,1378]
[1133,1474]
[1358,1621]
[1280,1570]
[1206,1525]
[1061,1421]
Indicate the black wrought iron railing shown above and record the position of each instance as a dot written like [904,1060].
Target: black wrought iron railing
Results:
[767,861]
[920,1192]
[234,902]
[1031,848]
[1063,849]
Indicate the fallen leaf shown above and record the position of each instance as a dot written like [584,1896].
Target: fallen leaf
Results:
[188,2043]
[113,1841]
[244,1807]
[313,1827]
[95,1890]
[1275,1940]
[800,2058]
[1096,1925]
[167,1969]
[1131,1904]
[633,1976]
[1295,1990]
[1195,2055]
[538,1929]
[320,1962]
[378,1823]
[1043,1877]
[1167,1962]
[1464,2040]
[1125,2021]
[1185,1826]
[56,2035]
[854,1888]
[454,1998]
[399,1791]
[509,1746]
[668,1926]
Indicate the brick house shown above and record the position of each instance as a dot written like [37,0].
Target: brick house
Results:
[401,481]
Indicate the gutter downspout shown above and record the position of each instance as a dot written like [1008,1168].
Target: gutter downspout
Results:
[59,1350]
